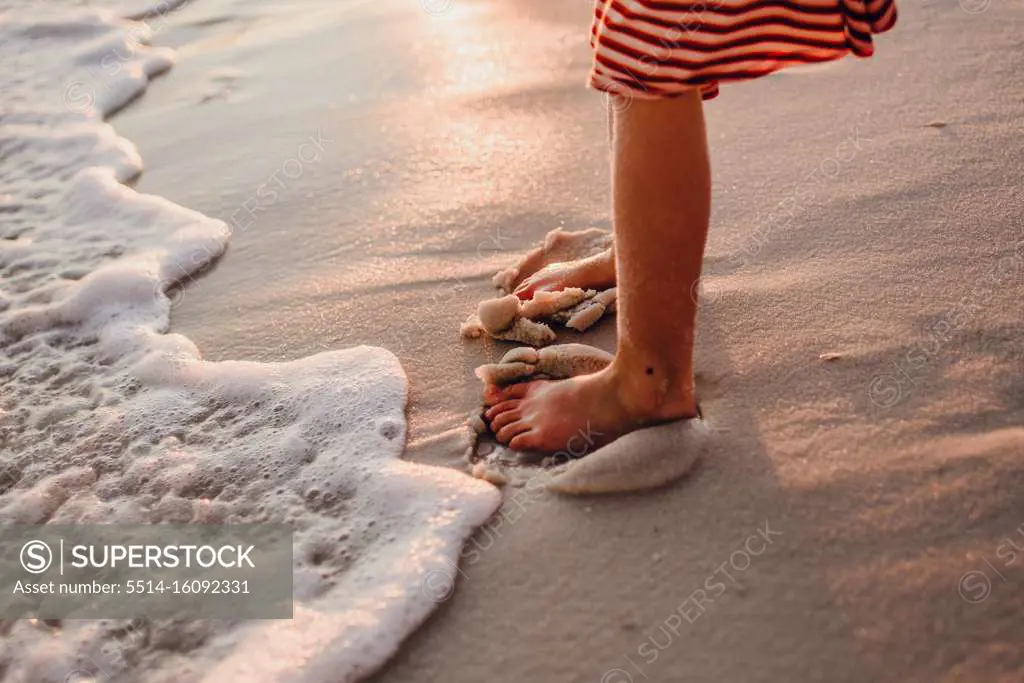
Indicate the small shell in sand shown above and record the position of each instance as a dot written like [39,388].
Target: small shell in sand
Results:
[587,312]
[582,320]
[522,330]
[545,304]
[497,315]
[569,360]
[472,329]
[521,354]
[490,472]
[527,331]
[554,362]
[608,297]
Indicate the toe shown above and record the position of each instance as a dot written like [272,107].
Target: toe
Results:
[494,394]
[530,289]
[524,291]
[524,441]
[510,430]
[505,418]
[499,408]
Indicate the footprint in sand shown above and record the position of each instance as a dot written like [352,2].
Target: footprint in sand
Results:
[222,85]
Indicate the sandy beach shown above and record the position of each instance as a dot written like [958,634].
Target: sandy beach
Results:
[860,514]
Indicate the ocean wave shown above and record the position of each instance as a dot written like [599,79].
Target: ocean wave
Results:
[107,417]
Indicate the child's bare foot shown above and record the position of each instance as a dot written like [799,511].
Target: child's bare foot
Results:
[593,272]
[580,414]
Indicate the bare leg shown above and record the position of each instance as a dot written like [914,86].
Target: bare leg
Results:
[661,186]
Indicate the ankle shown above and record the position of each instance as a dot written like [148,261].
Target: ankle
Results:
[647,394]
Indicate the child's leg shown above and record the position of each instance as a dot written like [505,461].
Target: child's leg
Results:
[661,186]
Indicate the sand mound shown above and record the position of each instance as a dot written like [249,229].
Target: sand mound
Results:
[644,459]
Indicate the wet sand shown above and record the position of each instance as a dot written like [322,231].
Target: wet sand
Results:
[853,518]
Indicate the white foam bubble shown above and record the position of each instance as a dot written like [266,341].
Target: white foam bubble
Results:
[107,418]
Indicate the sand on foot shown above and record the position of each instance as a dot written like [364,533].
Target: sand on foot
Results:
[640,460]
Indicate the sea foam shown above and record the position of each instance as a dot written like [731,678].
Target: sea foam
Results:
[105,417]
